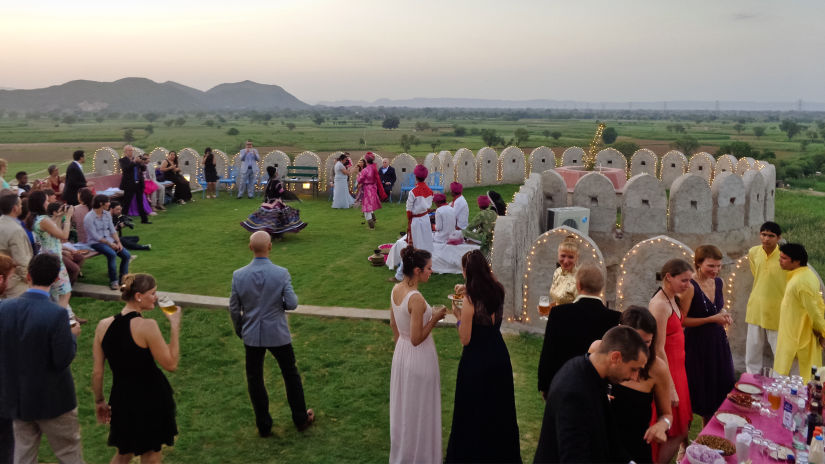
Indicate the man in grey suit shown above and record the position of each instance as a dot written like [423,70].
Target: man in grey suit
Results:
[247,175]
[261,292]
[37,347]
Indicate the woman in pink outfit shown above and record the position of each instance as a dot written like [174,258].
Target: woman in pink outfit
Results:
[370,183]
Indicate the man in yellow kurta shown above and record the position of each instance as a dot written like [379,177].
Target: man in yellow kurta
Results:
[802,315]
[766,296]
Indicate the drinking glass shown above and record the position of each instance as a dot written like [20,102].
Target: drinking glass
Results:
[544,307]
[167,305]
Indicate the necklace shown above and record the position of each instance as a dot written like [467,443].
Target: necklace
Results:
[672,309]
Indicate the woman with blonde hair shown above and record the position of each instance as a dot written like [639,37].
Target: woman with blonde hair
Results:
[140,410]
[563,288]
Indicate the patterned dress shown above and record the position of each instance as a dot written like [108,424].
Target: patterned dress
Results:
[51,244]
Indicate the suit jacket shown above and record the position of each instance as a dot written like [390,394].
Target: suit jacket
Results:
[75,180]
[388,176]
[261,292]
[128,180]
[14,242]
[577,425]
[571,328]
[249,159]
[36,352]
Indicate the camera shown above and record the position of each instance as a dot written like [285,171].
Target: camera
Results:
[125,221]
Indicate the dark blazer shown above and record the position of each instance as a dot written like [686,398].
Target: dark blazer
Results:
[75,180]
[571,328]
[388,176]
[128,181]
[36,352]
[577,425]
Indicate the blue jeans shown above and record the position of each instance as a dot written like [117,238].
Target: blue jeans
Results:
[110,258]
[248,181]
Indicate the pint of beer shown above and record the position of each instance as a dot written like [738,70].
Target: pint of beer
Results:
[167,305]
[544,305]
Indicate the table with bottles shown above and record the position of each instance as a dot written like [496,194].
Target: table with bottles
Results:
[770,439]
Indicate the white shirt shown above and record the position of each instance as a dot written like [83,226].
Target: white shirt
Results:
[462,212]
[444,223]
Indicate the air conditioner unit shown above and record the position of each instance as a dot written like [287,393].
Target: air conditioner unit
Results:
[575,217]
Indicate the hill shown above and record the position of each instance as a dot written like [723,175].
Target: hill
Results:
[135,94]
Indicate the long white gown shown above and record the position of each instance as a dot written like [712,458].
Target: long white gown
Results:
[415,393]
[341,198]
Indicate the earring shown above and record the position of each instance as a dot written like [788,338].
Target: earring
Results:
[138,300]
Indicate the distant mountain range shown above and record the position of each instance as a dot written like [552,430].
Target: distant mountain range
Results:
[140,95]
[479,103]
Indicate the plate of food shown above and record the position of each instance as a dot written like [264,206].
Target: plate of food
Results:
[749,388]
[701,454]
[716,443]
[726,417]
[741,401]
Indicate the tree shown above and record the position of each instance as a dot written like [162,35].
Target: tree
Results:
[421,126]
[490,137]
[521,135]
[555,135]
[626,148]
[150,129]
[790,128]
[209,122]
[758,131]
[687,144]
[99,118]
[180,122]
[738,127]
[391,122]
[546,133]
[128,135]
[290,125]
[151,117]
[609,135]
[459,131]
[737,149]
[69,119]
[169,122]
[435,144]
[408,141]
[232,131]
[318,119]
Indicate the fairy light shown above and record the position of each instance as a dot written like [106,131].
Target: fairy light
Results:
[329,167]
[687,254]
[194,166]
[307,158]
[224,173]
[585,247]
[617,155]
[725,163]
[462,155]
[511,153]
[573,153]
[484,157]
[590,156]
[645,155]
[541,151]
[112,157]
[745,164]
[709,162]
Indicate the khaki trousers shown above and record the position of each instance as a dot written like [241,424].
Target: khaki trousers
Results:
[62,432]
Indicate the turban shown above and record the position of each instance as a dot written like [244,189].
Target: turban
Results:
[420,171]
[483,201]
[456,187]
[370,156]
[439,198]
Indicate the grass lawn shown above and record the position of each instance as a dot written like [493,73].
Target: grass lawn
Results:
[195,248]
[345,365]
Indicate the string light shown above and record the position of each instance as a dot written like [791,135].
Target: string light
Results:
[513,155]
[725,163]
[222,162]
[108,156]
[646,156]
[329,165]
[680,164]
[463,155]
[189,162]
[487,156]
[702,160]
[573,156]
[544,153]
[604,157]
[590,158]
[745,164]
[307,158]
[687,255]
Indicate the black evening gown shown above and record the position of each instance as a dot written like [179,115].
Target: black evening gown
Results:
[210,171]
[484,425]
[708,361]
[143,410]
[631,414]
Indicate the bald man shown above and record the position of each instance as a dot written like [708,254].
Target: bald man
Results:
[261,292]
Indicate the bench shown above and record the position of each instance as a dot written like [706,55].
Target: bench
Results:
[303,175]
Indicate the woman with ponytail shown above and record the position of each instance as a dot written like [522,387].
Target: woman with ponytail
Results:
[140,410]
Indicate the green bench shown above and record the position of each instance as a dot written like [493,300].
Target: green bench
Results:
[303,175]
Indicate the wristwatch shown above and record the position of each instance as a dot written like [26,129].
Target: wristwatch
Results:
[668,422]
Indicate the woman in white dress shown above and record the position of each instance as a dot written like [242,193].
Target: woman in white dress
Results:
[415,383]
[341,199]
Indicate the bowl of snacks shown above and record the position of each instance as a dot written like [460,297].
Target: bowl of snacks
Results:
[701,454]
[713,442]
[741,401]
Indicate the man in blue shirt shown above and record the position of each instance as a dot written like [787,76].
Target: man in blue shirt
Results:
[37,347]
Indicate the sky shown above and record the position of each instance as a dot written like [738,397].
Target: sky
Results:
[325,50]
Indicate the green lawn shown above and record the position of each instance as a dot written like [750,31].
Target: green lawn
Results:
[195,248]
[345,365]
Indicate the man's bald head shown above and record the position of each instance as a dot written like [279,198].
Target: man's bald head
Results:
[260,243]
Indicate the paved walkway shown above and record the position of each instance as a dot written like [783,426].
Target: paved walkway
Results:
[102,292]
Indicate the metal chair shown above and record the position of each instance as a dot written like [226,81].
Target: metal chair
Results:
[407,185]
[229,180]
[435,182]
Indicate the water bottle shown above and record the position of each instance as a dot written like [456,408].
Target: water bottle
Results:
[788,406]
[800,422]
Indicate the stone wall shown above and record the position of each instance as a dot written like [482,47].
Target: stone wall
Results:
[104,161]
[541,159]
[464,169]
[487,163]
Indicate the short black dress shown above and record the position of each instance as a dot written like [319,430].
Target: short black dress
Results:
[484,426]
[631,414]
[210,172]
[143,410]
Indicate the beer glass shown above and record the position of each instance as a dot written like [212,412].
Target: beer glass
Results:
[544,307]
[167,305]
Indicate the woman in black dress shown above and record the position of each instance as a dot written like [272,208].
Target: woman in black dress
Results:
[484,425]
[141,410]
[171,172]
[274,188]
[210,172]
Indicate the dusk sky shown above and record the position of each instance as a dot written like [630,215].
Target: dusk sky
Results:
[597,50]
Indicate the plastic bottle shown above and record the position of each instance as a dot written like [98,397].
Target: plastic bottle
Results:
[814,420]
[788,409]
[800,422]
[816,454]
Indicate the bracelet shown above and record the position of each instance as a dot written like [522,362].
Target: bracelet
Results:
[667,421]
[457,324]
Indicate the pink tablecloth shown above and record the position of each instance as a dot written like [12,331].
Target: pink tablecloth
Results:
[771,428]
[572,174]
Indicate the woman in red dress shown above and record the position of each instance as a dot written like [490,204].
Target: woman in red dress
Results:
[55,180]
[670,346]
